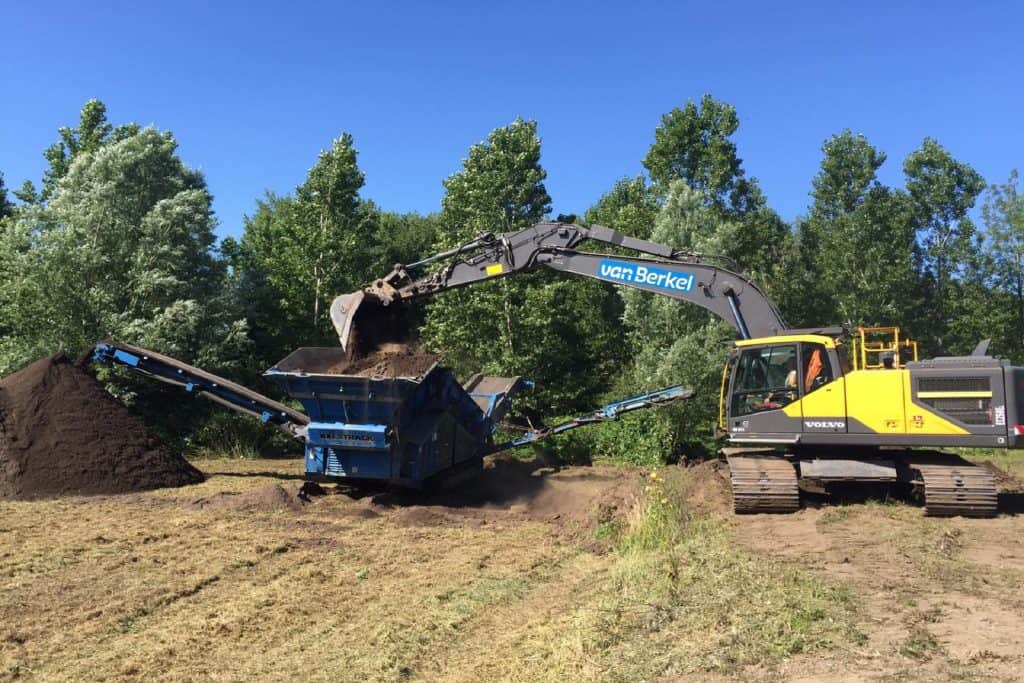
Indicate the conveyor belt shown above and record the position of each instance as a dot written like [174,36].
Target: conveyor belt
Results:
[193,379]
[612,411]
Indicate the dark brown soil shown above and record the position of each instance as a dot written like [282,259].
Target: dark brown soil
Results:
[709,491]
[381,344]
[270,498]
[387,360]
[576,500]
[375,325]
[62,434]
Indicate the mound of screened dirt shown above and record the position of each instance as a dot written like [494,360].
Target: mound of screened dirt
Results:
[62,434]
[381,343]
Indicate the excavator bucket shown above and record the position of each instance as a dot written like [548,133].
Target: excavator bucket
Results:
[343,312]
[365,321]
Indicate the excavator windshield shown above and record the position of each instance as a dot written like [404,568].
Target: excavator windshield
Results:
[766,379]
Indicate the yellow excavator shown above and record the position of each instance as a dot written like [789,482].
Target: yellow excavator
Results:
[799,409]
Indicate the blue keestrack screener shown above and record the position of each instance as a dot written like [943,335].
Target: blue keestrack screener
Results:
[411,426]
[404,429]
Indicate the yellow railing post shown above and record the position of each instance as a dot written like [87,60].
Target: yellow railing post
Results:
[892,345]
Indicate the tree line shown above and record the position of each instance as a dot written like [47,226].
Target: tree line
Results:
[117,240]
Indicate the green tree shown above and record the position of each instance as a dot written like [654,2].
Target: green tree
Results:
[1003,215]
[92,132]
[7,253]
[123,249]
[500,187]
[27,193]
[297,253]
[942,191]
[673,342]
[848,172]
[543,326]
[402,238]
[630,207]
[15,242]
[977,306]
[6,207]
[856,249]
[330,206]
[694,144]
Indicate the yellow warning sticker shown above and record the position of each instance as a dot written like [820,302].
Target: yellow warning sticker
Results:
[496,269]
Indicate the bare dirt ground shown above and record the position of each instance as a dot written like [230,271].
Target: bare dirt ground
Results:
[514,577]
[941,598]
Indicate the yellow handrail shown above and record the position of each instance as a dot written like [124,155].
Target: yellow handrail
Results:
[721,397]
[890,343]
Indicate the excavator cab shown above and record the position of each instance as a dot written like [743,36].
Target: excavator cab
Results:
[775,389]
[811,389]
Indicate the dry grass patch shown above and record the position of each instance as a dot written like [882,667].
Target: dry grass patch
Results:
[679,596]
[164,585]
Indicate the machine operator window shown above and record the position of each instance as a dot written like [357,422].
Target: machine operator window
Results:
[766,379]
[817,367]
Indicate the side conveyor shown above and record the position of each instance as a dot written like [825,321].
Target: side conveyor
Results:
[612,411]
[200,382]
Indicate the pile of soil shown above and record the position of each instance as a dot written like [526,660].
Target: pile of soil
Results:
[62,434]
[381,344]
[270,498]
[387,360]
[375,325]
[708,490]
[1006,482]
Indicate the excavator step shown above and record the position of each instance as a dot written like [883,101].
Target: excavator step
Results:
[958,489]
[763,483]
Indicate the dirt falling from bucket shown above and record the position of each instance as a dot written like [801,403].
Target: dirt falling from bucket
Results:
[381,344]
[387,360]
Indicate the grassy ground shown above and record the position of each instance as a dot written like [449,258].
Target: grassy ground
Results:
[678,595]
[171,585]
[1011,461]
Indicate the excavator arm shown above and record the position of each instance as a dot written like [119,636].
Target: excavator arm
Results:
[663,270]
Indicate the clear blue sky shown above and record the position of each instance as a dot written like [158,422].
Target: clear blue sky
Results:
[253,90]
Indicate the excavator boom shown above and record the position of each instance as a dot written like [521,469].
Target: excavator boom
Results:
[663,270]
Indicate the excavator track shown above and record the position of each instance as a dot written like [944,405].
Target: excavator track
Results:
[956,487]
[763,483]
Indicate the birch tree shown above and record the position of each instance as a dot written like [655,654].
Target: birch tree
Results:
[298,252]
